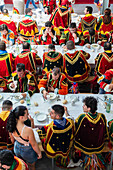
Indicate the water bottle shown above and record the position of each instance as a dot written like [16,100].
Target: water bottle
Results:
[28,100]
[17,48]
[108,106]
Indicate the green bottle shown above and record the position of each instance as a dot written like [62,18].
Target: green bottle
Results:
[108,106]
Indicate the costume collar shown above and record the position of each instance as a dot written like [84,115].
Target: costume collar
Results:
[60,123]
[93,115]
[71,51]
[3,51]
[4,115]
[108,51]
[87,15]
[27,16]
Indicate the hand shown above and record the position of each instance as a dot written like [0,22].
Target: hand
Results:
[45,93]
[39,155]
[88,46]
[24,95]
[66,112]
[31,119]
[12,85]
[51,88]
[46,10]
[99,42]
[111,86]
[45,33]
[51,34]
[74,35]
[65,47]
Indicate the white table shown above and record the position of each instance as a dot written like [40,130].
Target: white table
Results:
[43,106]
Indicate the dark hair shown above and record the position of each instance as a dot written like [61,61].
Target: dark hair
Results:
[70,45]
[27,10]
[20,67]
[2,45]
[91,31]
[6,157]
[56,71]
[58,109]
[107,46]
[91,102]
[51,47]
[26,45]
[89,9]
[5,11]
[48,24]
[3,27]
[72,25]
[14,116]
[107,17]
[6,105]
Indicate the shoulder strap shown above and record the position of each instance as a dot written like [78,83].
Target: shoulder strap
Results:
[21,136]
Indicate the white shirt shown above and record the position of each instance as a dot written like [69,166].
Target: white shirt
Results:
[1,2]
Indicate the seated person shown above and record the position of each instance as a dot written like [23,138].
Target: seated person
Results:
[49,34]
[54,81]
[104,60]
[105,82]
[91,135]
[5,142]
[8,21]
[58,135]
[30,59]
[75,66]
[27,27]
[9,161]
[89,21]
[52,59]
[72,33]
[6,61]
[6,35]
[22,81]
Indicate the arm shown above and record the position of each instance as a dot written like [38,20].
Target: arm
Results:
[33,143]
[63,90]
[11,137]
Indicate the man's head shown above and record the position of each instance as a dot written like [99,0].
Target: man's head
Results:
[2,46]
[4,29]
[90,105]
[65,3]
[26,45]
[48,25]
[28,11]
[107,11]
[20,68]
[107,46]
[72,27]
[70,45]
[51,47]
[6,159]
[5,11]
[55,73]
[7,105]
[88,10]
[57,112]
[91,31]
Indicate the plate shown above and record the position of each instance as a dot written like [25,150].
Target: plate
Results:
[41,117]
[51,96]
[18,97]
[95,46]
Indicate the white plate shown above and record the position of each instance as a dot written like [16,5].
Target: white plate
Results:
[18,97]
[95,46]
[41,117]
[51,96]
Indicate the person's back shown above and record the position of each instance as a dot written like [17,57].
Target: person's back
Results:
[5,142]
[6,61]
[75,66]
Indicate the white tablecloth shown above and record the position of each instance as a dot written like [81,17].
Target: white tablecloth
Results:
[43,106]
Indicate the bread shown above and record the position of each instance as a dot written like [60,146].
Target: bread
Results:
[21,101]
[37,112]
[35,103]
[64,102]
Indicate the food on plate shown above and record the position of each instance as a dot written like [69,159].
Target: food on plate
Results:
[37,112]
[88,46]
[35,103]
[21,101]
[64,102]
[95,45]
[92,50]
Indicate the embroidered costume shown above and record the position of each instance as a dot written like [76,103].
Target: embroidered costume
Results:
[60,83]
[28,27]
[50,5]
[87,22]
[61,17]
[5,142]
[48,39]
[67,35]
[92,39]
[30,59]
[75,66]
[3,84]
[26,83]
[104,62]
[58,138]
[9,37]
[52,59]
[7,63]
[15,10]
[18,164]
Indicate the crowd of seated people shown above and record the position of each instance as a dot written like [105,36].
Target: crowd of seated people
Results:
[59,72]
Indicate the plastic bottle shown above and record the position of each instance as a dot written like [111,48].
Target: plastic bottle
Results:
[28,99]
[108,106]
[17,48]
